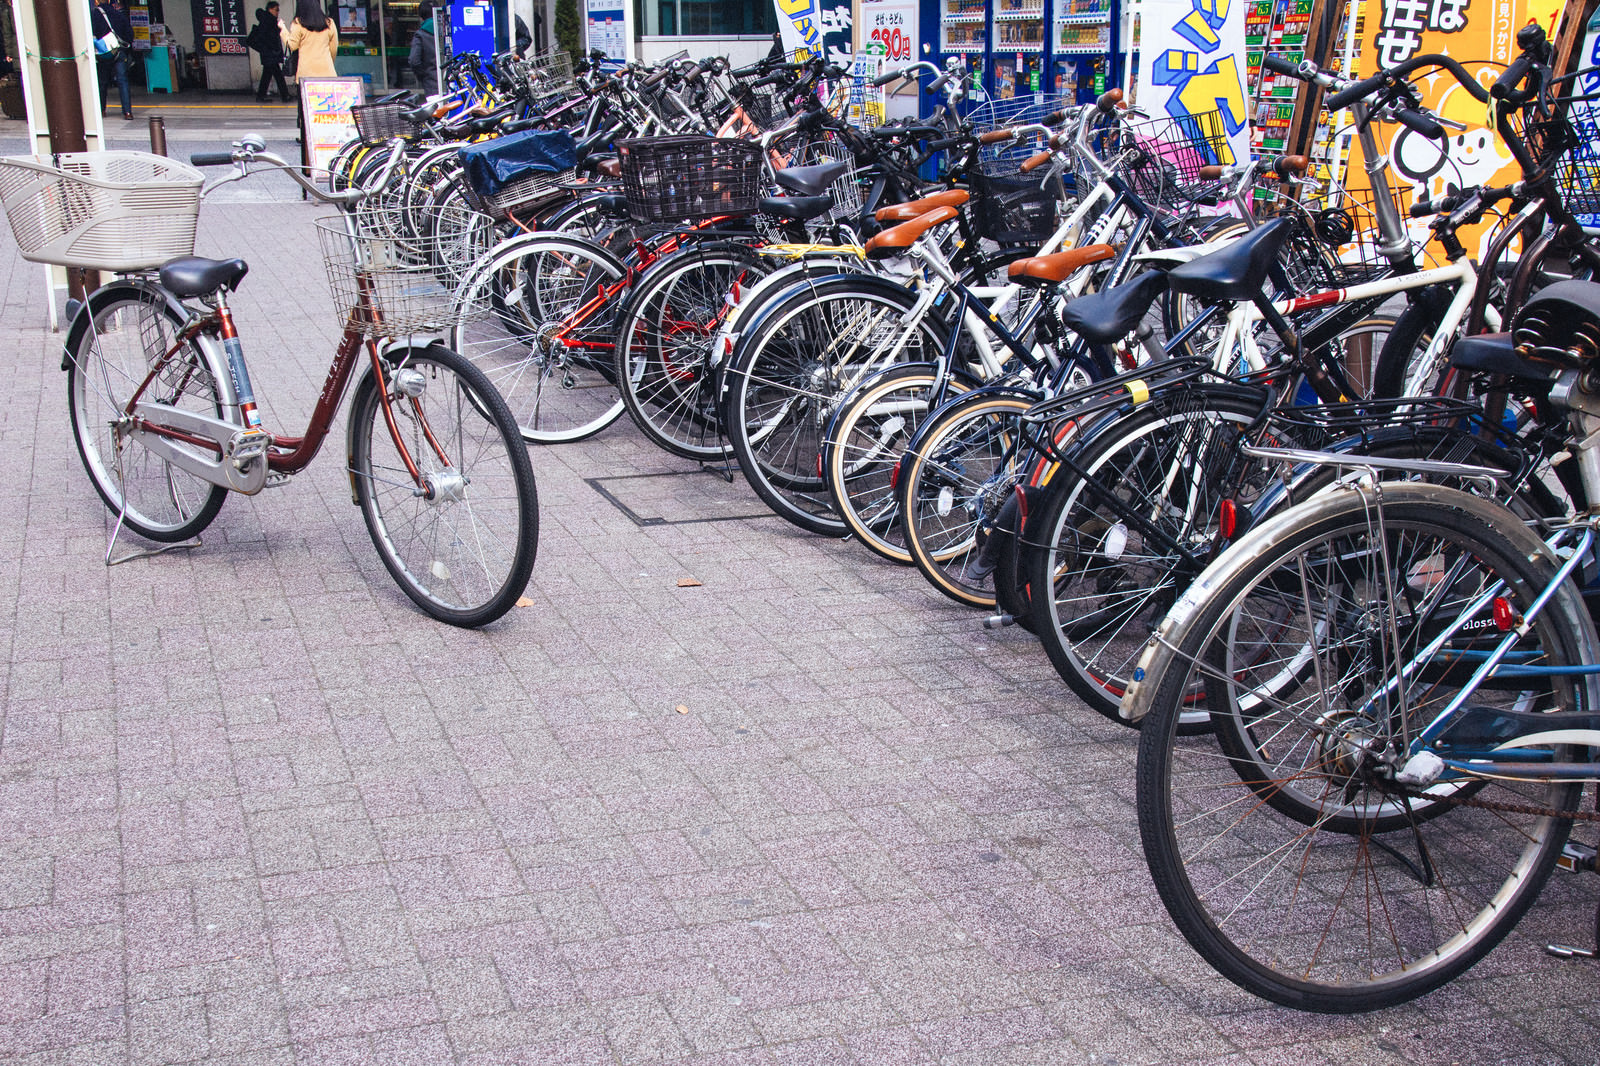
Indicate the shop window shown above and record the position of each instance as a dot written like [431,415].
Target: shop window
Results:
[705,18]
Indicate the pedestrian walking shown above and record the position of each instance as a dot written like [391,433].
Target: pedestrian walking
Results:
[425,52]
[267,38]
[113,34]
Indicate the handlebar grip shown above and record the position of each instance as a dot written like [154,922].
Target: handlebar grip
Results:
[1351,93]
[211,159]
[746,72]
[834,70]
[1279,65]
[1506,84]
[1423,124]
[1054,118]
[938,83]
[997,136]
[884,79]
[1285,165]
[770,79]
[943,143]
[1109,100]
[1034,161]
[1210,172]
[657,78]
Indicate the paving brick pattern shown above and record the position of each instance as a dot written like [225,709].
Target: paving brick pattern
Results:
[256,809]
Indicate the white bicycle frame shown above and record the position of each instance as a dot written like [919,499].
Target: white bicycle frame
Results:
[1237,347]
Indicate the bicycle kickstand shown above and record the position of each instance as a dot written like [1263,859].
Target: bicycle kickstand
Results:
[1576,857]
[137,553]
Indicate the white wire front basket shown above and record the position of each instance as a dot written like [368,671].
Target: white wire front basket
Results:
[101,210]
[394,286]
[1020,110]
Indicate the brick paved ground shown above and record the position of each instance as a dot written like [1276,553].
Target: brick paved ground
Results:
[254,808]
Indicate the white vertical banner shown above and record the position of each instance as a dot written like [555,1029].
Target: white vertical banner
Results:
[800,25]
[1192,60]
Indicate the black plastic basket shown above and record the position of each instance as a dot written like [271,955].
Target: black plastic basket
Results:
[762,104]
[377,123]
[1013,209]
[685,179]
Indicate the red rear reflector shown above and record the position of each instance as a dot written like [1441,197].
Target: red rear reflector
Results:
[894,475]
[1505,618]
[819,464]
[1022,507]
[1228,519]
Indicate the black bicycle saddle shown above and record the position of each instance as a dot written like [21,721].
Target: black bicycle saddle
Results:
[1236,272]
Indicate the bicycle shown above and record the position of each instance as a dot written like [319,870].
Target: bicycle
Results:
[1402,683]
[166,421]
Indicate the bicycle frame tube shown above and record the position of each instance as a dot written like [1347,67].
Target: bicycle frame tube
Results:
[1461,274]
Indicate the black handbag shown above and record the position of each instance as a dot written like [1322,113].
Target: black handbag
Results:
[291,63]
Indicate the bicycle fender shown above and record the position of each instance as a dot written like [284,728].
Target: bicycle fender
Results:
[1263,537]
[1171,257]
[856,283]
[78,322]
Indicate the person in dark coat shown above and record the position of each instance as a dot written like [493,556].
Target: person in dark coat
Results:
[267,39]
[425,52]
[110,16]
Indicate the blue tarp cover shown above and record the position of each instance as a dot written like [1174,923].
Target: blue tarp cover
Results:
[492,164]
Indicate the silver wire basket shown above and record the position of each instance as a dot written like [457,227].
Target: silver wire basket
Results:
[393,286]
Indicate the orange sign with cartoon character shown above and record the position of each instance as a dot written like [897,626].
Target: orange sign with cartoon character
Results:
[1482,37]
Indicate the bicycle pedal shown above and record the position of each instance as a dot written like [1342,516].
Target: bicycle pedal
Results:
[999,621]
[247,446]
[1576,858]
[277,479]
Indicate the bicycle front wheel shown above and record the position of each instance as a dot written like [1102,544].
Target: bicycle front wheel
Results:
[811,350]
[460,537]
[1283,848]
[664,346]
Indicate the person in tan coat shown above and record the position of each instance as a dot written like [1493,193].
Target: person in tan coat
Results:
[315,38]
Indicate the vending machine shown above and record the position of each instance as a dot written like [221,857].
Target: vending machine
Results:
[1019,47]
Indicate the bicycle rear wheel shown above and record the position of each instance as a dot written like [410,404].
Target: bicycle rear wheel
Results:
[463,547]
[111,351]
[1281,847]
[538,322]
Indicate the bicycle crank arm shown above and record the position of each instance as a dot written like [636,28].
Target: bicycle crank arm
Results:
[241,460]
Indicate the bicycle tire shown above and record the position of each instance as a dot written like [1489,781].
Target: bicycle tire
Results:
[789,373]
[665,338]
[110,349]
[955,477]
[1319,870]
[864,445]
[1172,460]
[464,549]
[517,306]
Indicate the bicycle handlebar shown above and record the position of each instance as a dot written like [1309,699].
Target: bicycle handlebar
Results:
[245,152]
[1280,66]
[1367,86]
